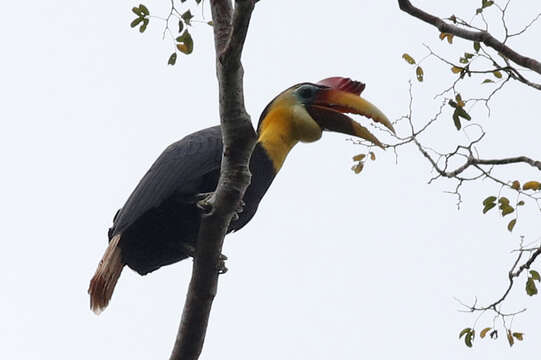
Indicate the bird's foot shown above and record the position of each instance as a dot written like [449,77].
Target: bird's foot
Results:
[238,210]
[204,202]
[190,251]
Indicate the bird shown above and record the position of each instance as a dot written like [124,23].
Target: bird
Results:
[159,223]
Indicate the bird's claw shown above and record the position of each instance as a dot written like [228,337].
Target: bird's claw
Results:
[190,251]
[238,210]
[203,201]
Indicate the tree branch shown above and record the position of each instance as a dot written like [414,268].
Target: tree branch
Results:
[230,28]
[480,36]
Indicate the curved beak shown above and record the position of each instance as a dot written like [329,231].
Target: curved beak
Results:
[329,107]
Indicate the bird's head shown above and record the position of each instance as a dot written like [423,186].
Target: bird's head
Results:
[305,110]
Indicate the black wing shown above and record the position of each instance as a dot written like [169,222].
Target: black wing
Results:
[178,170]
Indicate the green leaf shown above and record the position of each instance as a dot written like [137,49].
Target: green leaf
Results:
[185,43]
[476,46]
[187,17]
[489,200]
[180,26]
[144,9]
[478,11]
[210,23]
[137,11]
[198,1]
[463,60]
[521,203]
[453,104]
[487,3]
[488,207]
[420,74]
[503,201]
[456,119]
[484,332]
[468,55]
[469,338]
[464,332]
[136,22]
[144,25]
[172,59]
[408,58]
[507,209]
[535,275]
[511,225]
[462,113]
[531,289]
[497,74]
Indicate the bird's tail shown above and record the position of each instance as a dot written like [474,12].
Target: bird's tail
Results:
[104,281]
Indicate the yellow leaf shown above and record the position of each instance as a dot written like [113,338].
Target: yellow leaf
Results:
[420,74]
[510,338]
[408,58]
[459,101]
[372,156]
[358,168]
[359,157]
[456,69]
[483,332]
[448,36]
[531,185]
[518,336]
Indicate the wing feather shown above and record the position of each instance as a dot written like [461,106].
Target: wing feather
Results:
[177,170]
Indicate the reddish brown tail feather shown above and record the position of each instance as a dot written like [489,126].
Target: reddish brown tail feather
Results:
[104,281]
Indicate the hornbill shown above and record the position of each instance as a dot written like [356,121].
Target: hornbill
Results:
[159,223]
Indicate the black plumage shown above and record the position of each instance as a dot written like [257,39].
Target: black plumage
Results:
[159,223]
[160,216]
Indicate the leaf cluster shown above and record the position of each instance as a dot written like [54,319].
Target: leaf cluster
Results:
[142,17]
[361,159]
[469,335]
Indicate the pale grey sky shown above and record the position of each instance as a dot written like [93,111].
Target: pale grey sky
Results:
[334,265]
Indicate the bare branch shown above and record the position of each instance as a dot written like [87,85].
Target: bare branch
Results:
[230,28]
[480,36]
[513,273]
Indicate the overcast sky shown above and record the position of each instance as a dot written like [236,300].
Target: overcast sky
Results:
[334,265]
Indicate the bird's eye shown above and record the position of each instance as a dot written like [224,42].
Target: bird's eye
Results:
[306,92]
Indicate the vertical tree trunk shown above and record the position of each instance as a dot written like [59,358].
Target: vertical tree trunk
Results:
[230,28]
